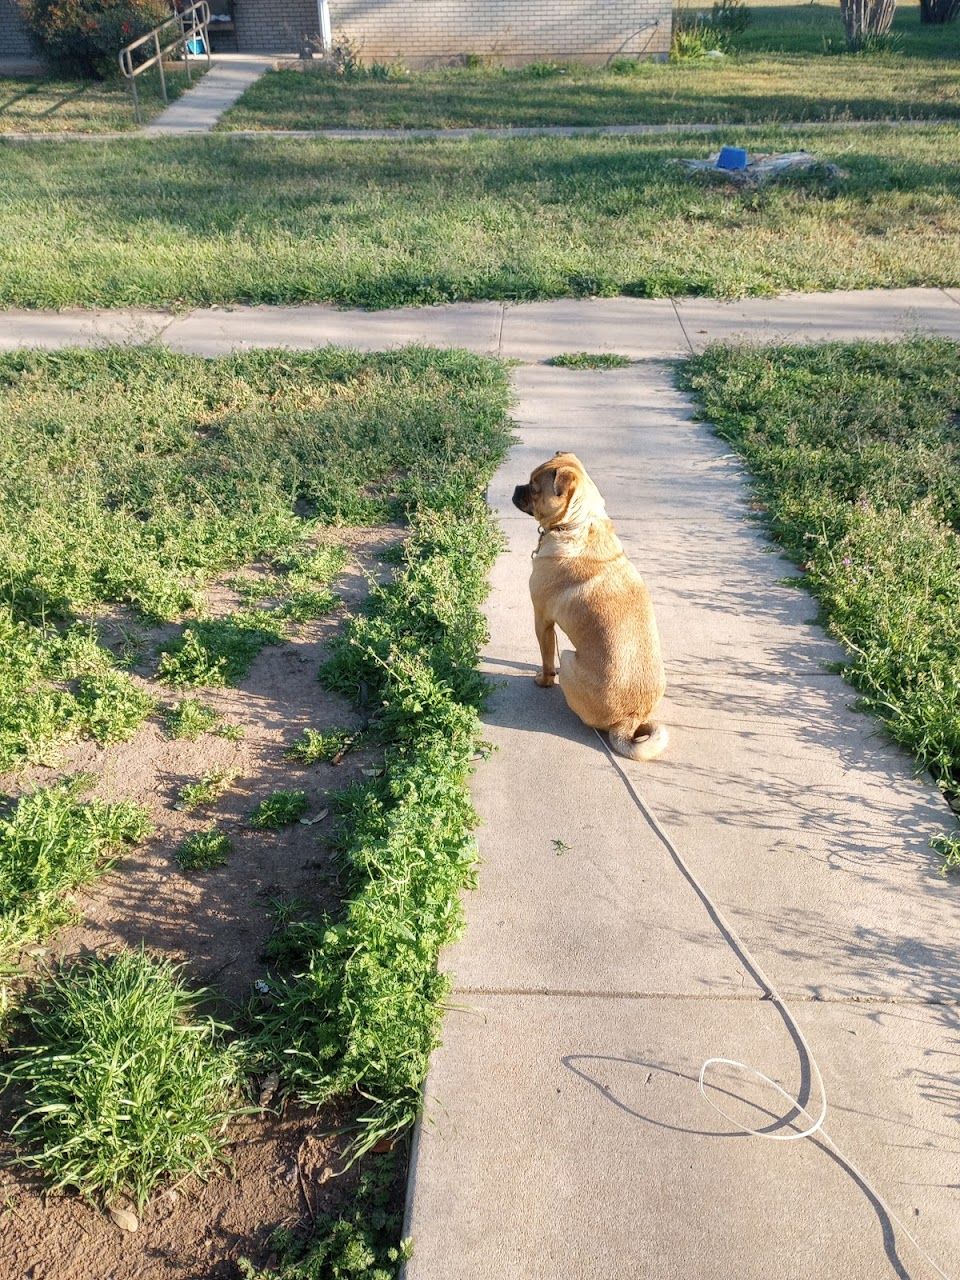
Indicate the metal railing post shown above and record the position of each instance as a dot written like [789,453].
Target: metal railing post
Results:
[186,48]
[163,78]
[136,100]
[199,15]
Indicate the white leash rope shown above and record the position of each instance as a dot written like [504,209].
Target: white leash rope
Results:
[815,1127]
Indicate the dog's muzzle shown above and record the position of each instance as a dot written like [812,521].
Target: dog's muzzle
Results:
[521,498]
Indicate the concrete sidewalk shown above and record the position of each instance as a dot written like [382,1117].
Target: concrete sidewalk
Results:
[641,328]
[401,135]
[564,1135]
[199,109]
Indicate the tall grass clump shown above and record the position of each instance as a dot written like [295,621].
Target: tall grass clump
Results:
[51,842]
[121,1081]
[361,1016]
[855,453]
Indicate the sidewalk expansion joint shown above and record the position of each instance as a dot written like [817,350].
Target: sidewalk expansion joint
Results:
[757,996]
[683,327]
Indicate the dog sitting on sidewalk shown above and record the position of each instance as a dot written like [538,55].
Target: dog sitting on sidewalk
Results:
[583,583]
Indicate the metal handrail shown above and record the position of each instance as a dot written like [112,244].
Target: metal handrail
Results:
[189,23]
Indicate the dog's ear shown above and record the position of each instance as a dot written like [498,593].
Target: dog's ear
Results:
[564,479]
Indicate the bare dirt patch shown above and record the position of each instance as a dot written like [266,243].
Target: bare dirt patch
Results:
[216,922]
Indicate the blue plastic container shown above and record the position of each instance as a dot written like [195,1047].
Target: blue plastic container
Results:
[732,158]
[196,46]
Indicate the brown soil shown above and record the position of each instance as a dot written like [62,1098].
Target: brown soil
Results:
[217,922]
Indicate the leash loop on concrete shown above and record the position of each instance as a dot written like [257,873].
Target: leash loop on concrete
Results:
[733,939]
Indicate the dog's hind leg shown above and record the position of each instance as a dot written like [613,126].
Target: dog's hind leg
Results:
[578,688]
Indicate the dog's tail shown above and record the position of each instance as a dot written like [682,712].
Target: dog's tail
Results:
[639,741]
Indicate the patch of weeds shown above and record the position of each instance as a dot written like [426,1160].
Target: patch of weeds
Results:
[279,810]
[948,848]
[202,850]
[362,1015]
[124,1081]
[590,360]
[52,842]
[37,664]
[360,1242]
[855,456]
[112,706]
[190,719]
[313,747]
[307,604]
[304,593]
[206,791]
[255,590]
[137,476]
[696,38]
[220,651]
[560,847]
[296,936]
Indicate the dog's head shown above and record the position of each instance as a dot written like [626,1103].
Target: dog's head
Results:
[559,492]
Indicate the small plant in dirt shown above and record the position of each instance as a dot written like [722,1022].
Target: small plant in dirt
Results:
[189,719]
[220,651]
[295,937]
[590,360]
[307,604]
[279,810]
[948,848]
[112,705]
[207,790]
[313,747]
[361,1243]
[52,842]
[202,850]
[121,1080]
[304,592]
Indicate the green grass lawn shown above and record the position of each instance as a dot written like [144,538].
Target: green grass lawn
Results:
[780,69]
[37,104]
[220,220]
[855,454]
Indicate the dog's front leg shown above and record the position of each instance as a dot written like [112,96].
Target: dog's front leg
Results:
[547,636]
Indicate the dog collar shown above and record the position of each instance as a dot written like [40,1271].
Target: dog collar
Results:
[557,528]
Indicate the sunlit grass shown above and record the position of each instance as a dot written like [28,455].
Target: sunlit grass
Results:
[125,1083]
[221,220]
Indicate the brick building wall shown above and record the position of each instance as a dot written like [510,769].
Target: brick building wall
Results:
[509,31]
[14,41]
[273,26]
[423,32]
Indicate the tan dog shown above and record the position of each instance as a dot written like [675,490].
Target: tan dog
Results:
[583,583]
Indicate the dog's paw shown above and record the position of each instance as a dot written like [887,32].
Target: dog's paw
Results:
[545,681]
